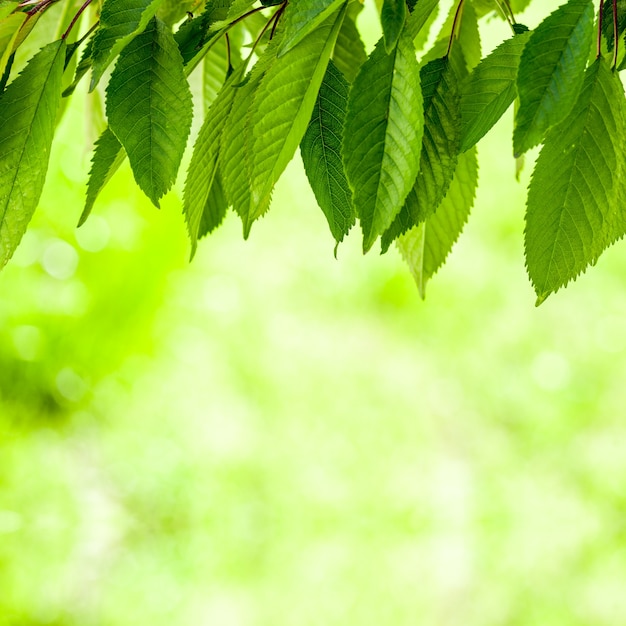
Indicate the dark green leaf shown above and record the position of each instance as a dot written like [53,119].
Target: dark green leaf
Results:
[392,16]
[321,153]
[383,134]
[120,22]
[215,208]
[149,108]
[107,158]
[440,146]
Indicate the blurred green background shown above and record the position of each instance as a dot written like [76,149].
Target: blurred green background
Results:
[271,437]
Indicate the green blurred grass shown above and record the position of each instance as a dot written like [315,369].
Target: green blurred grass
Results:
[270,436]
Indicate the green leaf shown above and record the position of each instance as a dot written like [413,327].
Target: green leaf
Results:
[149,108]
[9,29]
[574,207]
[551,71]
[349,53]
[282,109]
[440,146]
[321,153]
[383,135]
[204,161]
[392,17]
[215,208]
[426,246]
[120,22]
[302,18]
[214,71]
[6,8]
[107,159]
[28,109]
[420,16]
[235,144]
[490,90]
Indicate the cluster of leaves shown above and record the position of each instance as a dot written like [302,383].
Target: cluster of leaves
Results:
[388,139]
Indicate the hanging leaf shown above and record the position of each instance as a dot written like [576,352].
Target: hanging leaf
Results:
[28,109]
[421,16]
[575,208]
[149,108]
[490,90]
[120,22]
[426,247]
[303,17]
[349,53]
[440,146]
[236,139]
[382,136]
[215,208]
[321,153]
[107,159]
[204,161]
[551,71]
[9,30]
[392,16]
[282,109]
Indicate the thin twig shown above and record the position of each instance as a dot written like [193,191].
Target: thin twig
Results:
[457,17]
[75,18]
[600,14]
[615,35]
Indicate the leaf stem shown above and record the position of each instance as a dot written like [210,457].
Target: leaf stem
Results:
[615,35]
[75,18]
[455,23]
[600,14]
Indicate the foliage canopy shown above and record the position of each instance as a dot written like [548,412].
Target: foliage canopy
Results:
[387,139]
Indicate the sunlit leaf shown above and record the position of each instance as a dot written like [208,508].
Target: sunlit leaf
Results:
[551,71]
[575,208]
[28,109]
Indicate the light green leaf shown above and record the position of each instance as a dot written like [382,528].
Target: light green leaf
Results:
[321,153]
[426,246]
[236,140]
[282,109]
[490,90]
[392,17]
[383,135]
[28,109]
[349,53]
[6,8]
[204,161]
[302,18]
[551,71]
[214,70]
[149,108]
[120,22]
[440,146]
[107,159]
[9,30]
[575,209]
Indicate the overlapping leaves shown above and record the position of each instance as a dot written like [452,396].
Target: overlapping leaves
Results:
[387,139]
